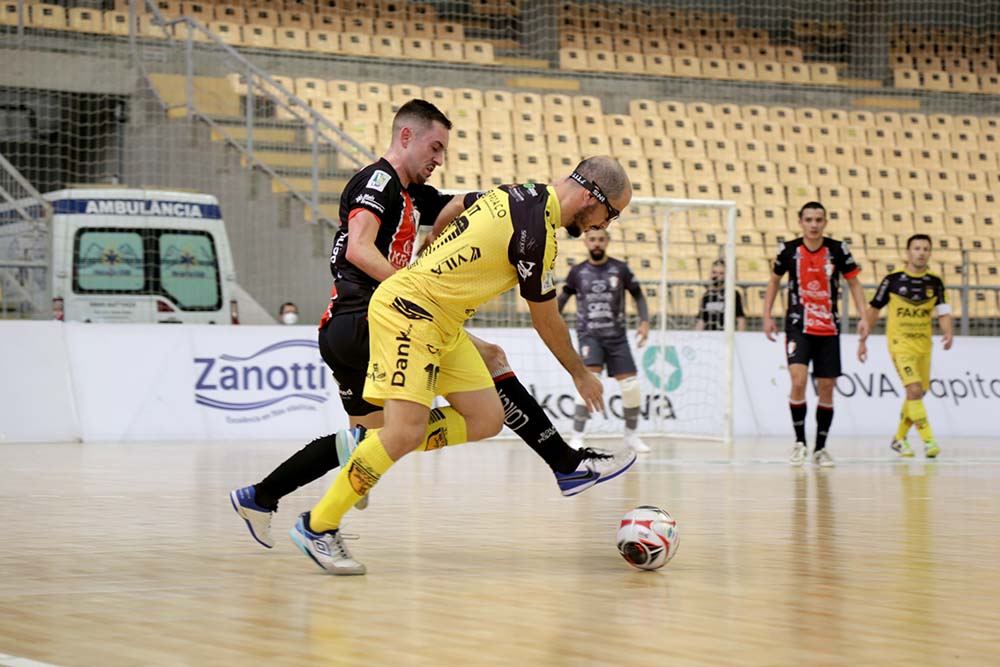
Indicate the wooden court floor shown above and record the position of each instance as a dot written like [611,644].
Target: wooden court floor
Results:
[131,555]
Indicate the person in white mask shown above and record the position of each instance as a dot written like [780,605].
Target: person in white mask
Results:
[288,313]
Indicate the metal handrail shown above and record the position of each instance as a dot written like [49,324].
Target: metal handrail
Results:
[260,83]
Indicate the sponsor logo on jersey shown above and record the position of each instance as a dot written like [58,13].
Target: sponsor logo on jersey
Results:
[457,259]
[548,281]
[378,180]
[410,310]
[375,372]
[402,358]
[524,269]
[369,201]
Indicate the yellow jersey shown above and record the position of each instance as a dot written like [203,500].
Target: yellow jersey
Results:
[505,237]
[912,299]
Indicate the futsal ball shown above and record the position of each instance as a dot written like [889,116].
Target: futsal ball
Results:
[648,537]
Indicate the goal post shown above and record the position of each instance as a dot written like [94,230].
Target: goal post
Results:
[675,316]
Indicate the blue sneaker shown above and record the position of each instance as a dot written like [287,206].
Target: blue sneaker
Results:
[325,549]
[347,442]
[258,519]
[598,465]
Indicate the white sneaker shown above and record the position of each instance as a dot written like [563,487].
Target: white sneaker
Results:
[258,519]
[596,466]
[823,459]
[799,454]
[576,442]
[636,444]
[325,549]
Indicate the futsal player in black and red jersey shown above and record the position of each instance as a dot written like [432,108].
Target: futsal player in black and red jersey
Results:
[814,264]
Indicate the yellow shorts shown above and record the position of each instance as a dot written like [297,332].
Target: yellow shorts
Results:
[913,367]
[412,359]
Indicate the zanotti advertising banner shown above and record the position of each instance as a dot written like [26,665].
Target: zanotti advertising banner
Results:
[139,382]
[190,382]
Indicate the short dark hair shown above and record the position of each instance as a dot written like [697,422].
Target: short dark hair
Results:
[281,311]
[812,204]
[419,110]
[917,237]
[719,262]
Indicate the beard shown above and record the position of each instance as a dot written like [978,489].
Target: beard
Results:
[596,254]
[575,228]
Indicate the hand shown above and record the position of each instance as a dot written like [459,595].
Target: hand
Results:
[591,390]
[863,328]
[862,351]
[770,328]
[642,333]
[947,339]
[429,239]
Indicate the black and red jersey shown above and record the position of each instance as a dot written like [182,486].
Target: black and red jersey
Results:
[378,190]
[813,283]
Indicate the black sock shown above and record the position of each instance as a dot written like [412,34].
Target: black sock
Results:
[524,416]
[824,417]
[306,465]
[799,420]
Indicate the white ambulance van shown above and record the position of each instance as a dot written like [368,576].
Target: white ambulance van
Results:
[129,255]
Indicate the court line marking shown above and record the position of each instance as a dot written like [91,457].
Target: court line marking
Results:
[15,661]
[840,461]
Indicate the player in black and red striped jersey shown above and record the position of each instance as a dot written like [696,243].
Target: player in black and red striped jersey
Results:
[814,264]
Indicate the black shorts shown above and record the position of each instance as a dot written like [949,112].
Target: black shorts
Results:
[613,352]
[343,343]
[823,351]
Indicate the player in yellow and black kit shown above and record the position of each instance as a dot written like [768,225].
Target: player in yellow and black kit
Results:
[913,296]
[419,348]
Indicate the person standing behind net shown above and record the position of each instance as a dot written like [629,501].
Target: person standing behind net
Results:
[711,314]
[914,296]
[419,348]
[814,264]
[599,285]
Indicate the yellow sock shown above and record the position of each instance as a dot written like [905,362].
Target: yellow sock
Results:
[367,464]
[904,423]
[445,428]
[918,413]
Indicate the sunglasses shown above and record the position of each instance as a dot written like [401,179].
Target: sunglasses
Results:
[599,195]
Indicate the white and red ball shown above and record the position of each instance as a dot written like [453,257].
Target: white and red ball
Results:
[648,537]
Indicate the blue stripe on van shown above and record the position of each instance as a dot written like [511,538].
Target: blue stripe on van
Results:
[153,207]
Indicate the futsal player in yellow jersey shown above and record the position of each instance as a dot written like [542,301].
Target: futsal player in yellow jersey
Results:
[913,296]
[419,348]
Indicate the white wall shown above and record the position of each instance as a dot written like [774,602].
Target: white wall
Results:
[152,382]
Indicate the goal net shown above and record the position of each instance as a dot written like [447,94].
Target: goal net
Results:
[685,374]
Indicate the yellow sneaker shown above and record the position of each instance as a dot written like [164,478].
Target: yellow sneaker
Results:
[931,449]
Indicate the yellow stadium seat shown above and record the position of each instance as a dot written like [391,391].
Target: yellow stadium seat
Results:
[418,48]
[479,52]
[448,50]
[230,13]
[898,223]
[292,39]
[51,17]
[659,64]
[262,16]
[82,19]
[324,41]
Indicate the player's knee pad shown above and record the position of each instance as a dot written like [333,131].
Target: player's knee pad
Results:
[631,394]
